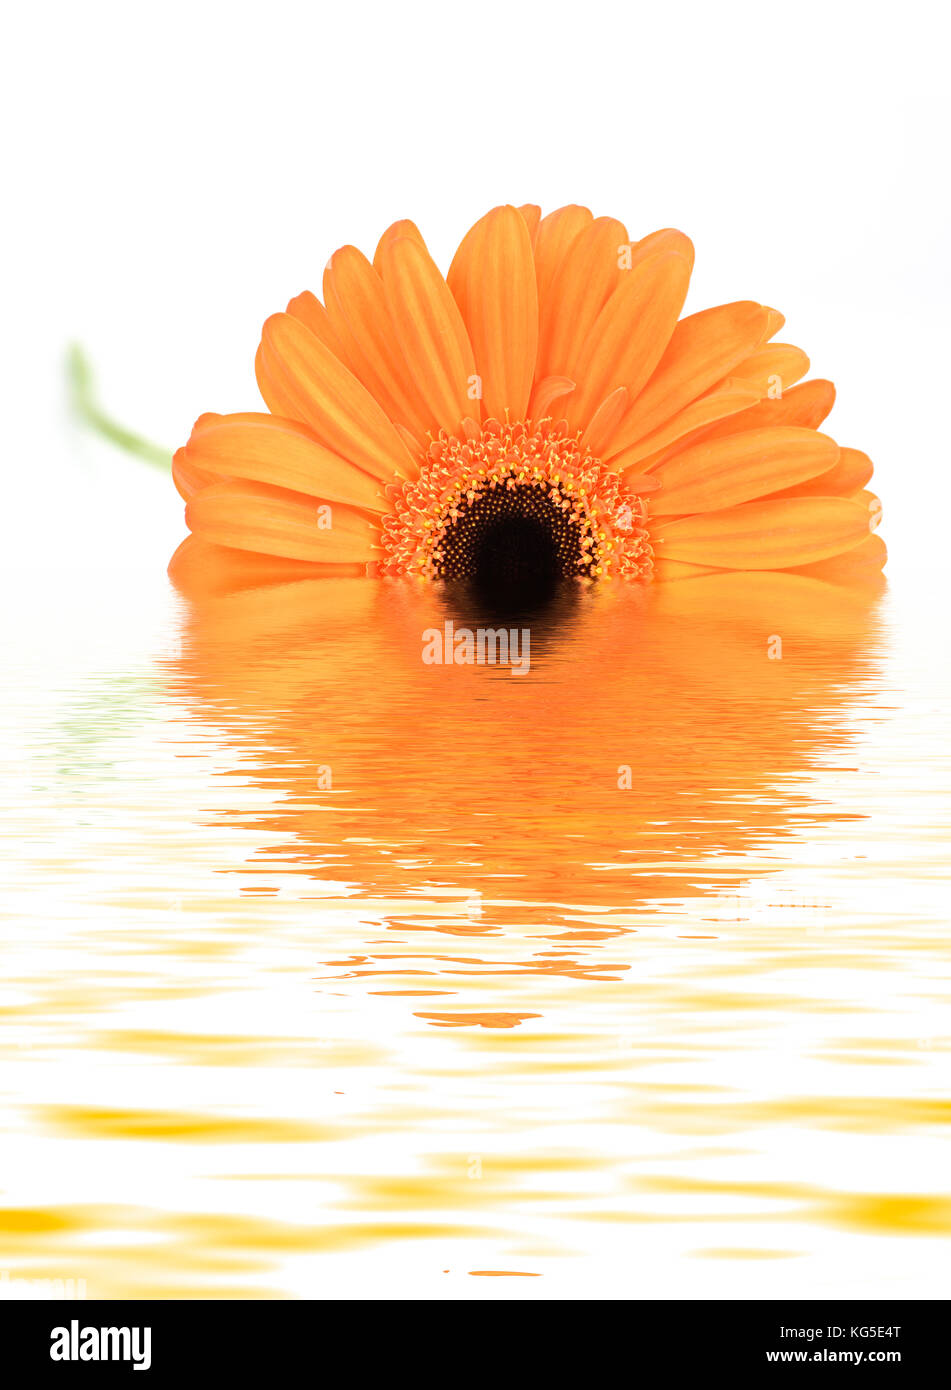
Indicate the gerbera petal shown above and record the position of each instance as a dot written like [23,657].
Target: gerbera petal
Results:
[312,314]
[774,367]
[283,453]
[871,506]
[492,278]
[629,335]
[864,560]
[848,476]
[666,239]
[739,468]
[358,314]
[797,603]
[582,284]
[775,322]
[807,404]
[667,570]
[764,535]
[301,379]
[556,234]
[271,521]
[547,391]
[731,398]
[605,420]
[430,331]
[403,228]
[532,214]
[703,349]
[201,569]
[188,478]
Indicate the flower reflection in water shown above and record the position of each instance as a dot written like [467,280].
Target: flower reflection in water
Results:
[657,751]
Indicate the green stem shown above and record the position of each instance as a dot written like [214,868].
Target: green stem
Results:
[82,391]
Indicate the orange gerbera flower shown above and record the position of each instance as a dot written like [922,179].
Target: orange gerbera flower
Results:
[541,408]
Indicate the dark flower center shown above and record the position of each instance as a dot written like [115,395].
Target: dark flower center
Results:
[504,502]
[517,535]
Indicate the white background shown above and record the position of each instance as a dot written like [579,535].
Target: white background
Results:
[178,171]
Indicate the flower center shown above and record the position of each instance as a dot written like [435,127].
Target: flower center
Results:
[513,502]
[523,526]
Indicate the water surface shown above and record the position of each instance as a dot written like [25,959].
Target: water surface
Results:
[325,971]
